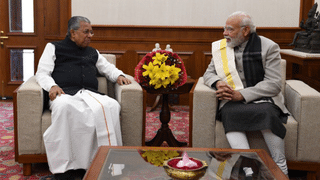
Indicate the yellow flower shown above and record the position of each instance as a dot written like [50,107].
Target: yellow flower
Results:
[154,81]
[160,76]
[149,70]
[157,157]
[162,72]
[158,84]
[165,82]
[173,73]
[159,58]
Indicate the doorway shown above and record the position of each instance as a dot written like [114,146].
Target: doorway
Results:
[20,37]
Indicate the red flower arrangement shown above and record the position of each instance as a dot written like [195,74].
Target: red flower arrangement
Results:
[161,69]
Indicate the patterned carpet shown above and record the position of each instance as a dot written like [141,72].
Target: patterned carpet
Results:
[10,170]
[179,123]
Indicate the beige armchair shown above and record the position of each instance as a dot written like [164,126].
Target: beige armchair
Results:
[32,118]
[303,128]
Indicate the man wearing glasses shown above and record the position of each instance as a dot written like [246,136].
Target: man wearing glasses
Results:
[245,71]
[82,118]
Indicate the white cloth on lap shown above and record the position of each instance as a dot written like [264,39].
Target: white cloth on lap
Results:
[80,124]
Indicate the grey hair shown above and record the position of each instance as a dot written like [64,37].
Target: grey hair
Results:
[74,23]
[246,21]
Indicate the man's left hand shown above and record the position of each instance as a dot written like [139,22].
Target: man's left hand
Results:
[123,80]
[237,96]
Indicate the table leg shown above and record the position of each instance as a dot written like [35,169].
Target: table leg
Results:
[157,102]
[165,133]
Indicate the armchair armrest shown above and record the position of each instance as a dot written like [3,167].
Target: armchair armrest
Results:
[29,112]
[303,103]
[106,86]
[204,114]
[130,98]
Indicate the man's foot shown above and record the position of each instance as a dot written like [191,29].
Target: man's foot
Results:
[78,174]
[69,175]
[64,176]
[50,177]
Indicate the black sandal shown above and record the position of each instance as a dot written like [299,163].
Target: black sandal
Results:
[50,177]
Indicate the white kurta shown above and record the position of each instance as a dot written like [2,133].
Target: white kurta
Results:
[80,123]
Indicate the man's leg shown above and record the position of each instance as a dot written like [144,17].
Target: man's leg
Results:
[239,140]
[276,148]
[70,141]
[106,111]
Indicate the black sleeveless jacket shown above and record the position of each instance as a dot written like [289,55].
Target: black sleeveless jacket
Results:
[75,67]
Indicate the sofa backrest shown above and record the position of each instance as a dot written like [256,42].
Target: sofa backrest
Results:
[105,86]
[283,75]
[110,57]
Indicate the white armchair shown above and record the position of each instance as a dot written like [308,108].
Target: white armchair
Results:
[302,145]
[32,118]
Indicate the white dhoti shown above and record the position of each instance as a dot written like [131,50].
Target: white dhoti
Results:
[80,124]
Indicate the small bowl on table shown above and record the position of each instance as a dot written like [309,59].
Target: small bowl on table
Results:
[185,173]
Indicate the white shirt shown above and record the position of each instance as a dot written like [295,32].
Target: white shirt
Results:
[46,67]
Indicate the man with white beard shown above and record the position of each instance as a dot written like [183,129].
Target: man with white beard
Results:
[245,71]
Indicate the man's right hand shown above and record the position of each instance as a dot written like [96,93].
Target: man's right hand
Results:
[224,91]
[54,91]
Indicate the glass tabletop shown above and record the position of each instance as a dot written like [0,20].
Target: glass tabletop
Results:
[129,164]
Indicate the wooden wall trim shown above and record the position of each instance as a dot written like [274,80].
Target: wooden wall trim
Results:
[196,28]
[178,34]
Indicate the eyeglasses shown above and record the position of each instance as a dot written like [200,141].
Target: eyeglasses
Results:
[87,32]
[230,29]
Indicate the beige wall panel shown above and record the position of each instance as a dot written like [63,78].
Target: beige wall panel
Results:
[266,13]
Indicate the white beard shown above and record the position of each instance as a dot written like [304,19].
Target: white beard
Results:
[236,41]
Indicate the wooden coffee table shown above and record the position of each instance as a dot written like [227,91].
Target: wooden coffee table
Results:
[125,162]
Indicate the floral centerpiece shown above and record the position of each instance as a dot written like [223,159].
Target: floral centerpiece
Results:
[161,69]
